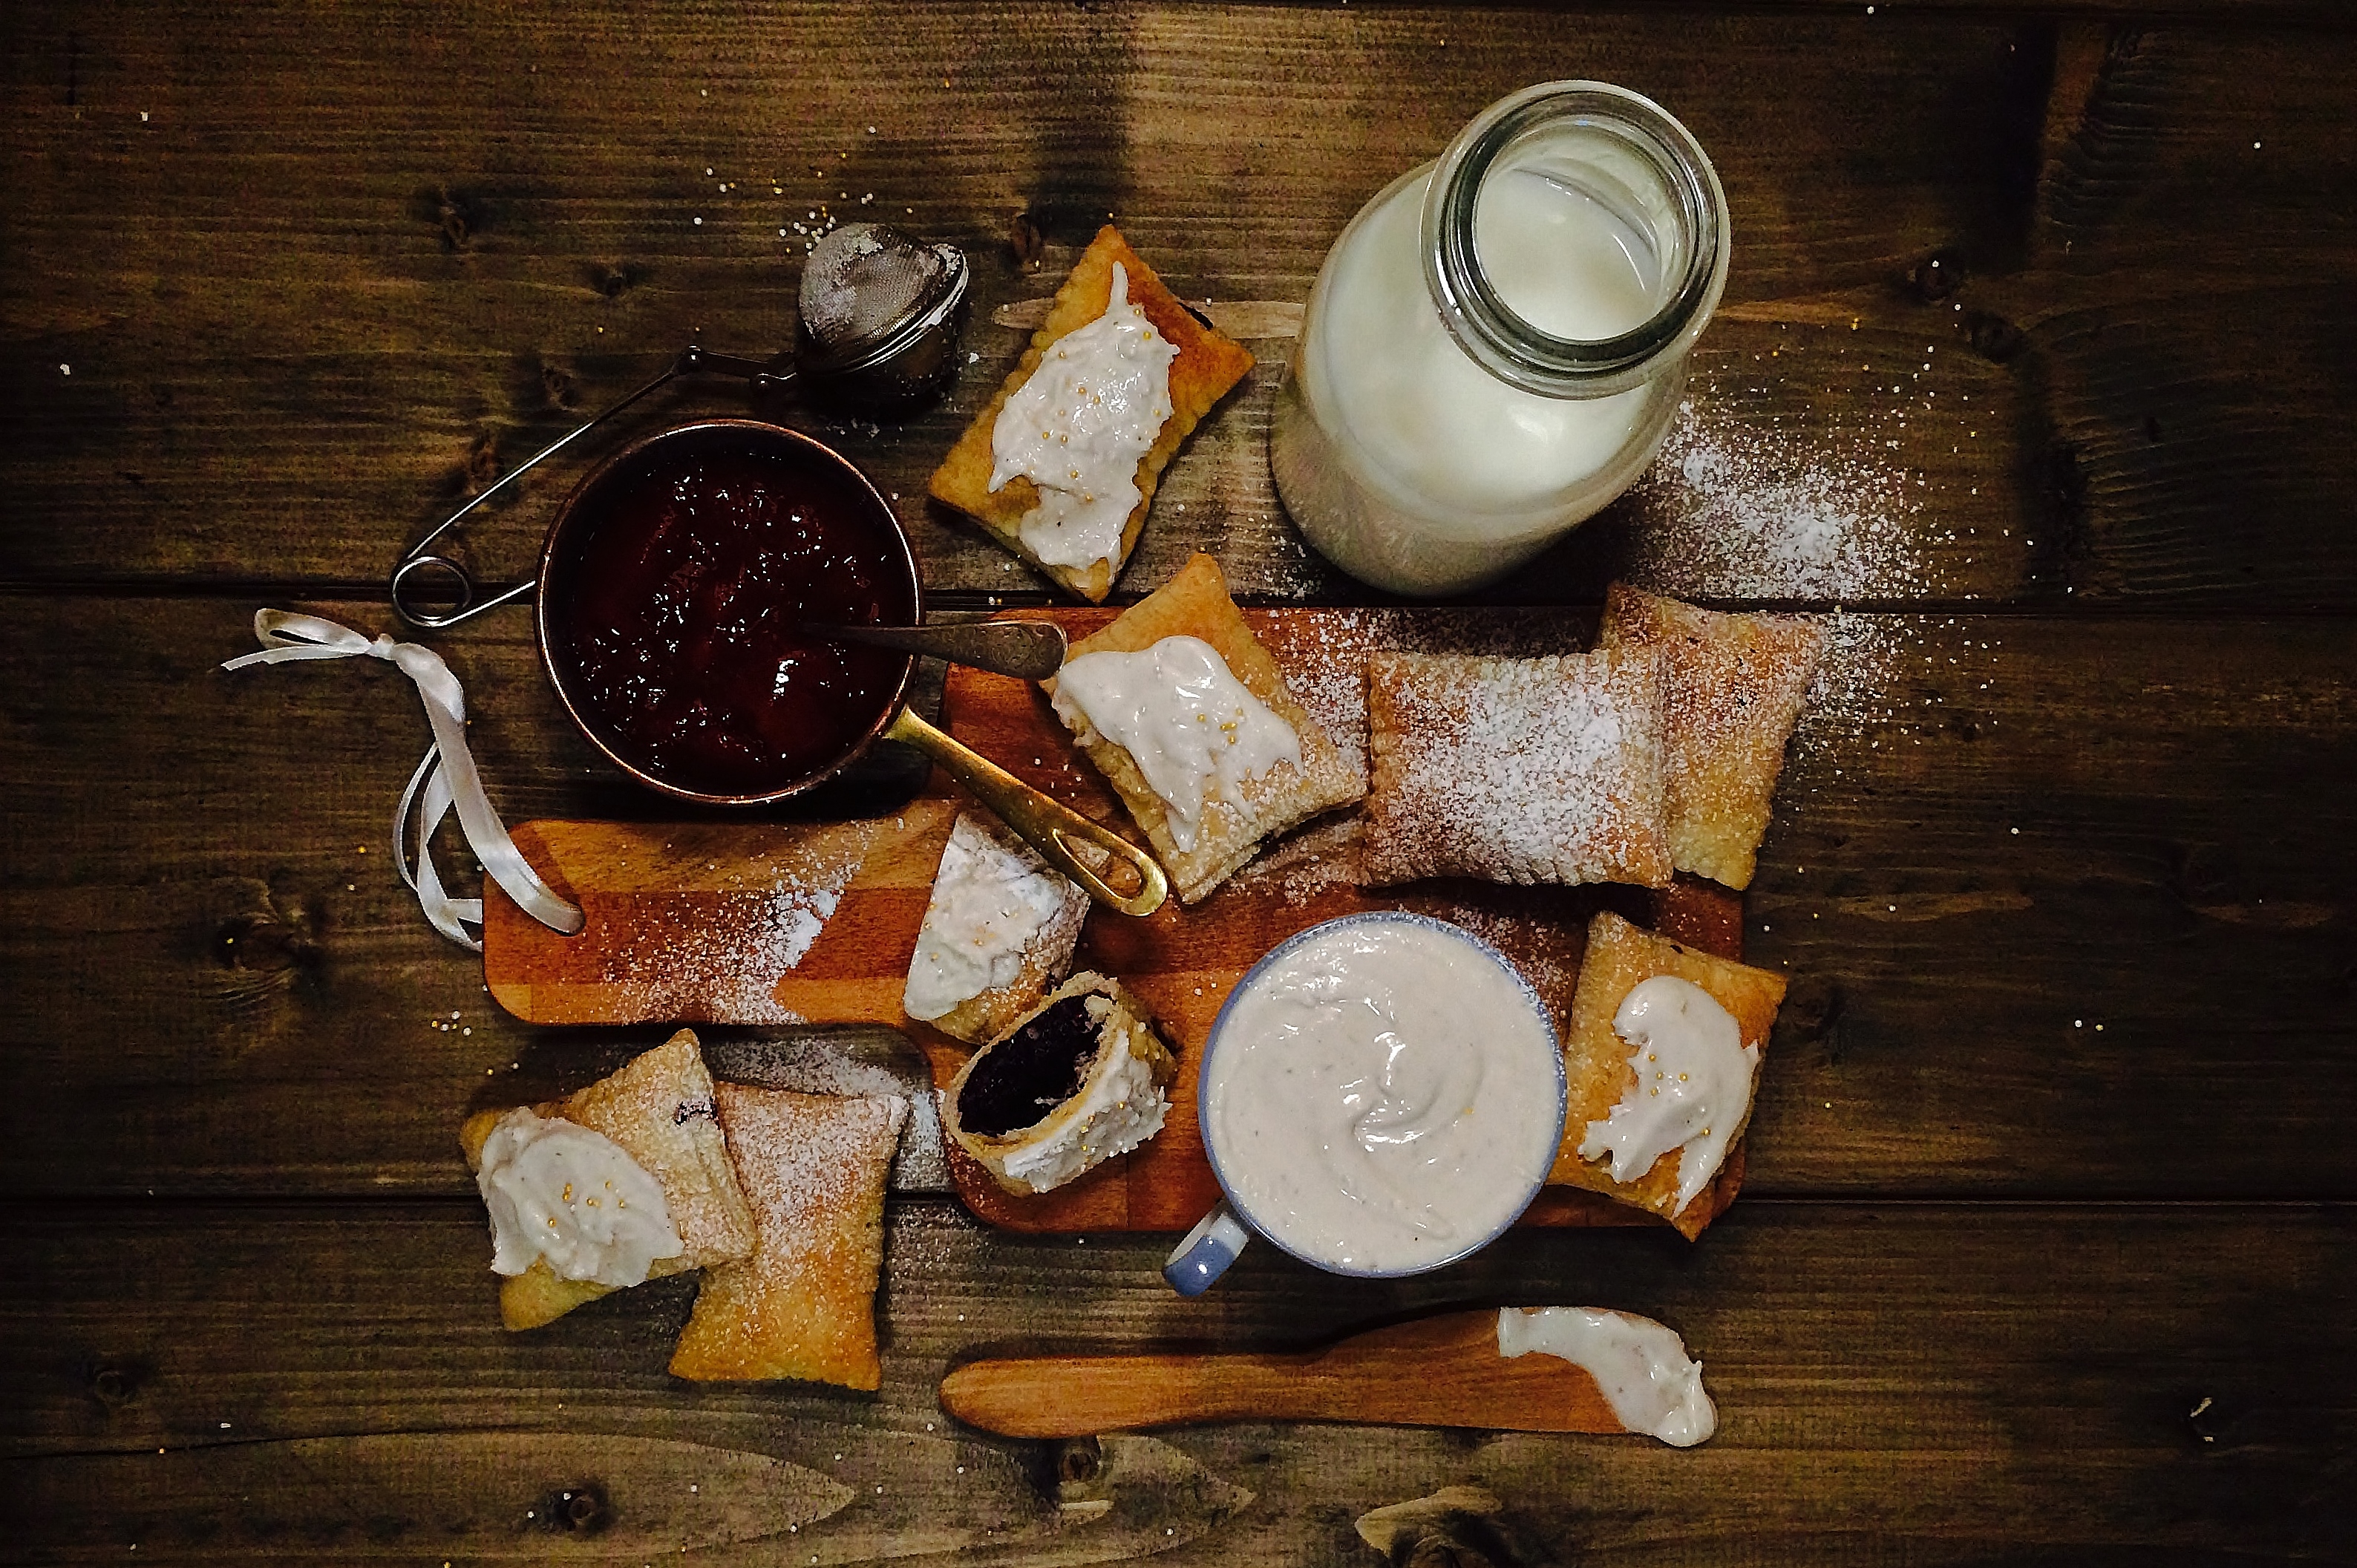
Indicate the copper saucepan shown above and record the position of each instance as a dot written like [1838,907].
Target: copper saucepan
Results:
[652,529]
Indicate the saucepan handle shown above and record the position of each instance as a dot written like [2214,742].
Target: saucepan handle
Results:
[1055,830]
[1198,1261]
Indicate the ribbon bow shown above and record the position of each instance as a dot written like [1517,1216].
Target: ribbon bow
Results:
[445,779]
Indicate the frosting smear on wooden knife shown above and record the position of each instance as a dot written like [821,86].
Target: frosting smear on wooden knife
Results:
[1642,1368]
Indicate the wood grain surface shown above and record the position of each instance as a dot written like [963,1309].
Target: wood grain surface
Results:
[2035,375]
[1923,1382]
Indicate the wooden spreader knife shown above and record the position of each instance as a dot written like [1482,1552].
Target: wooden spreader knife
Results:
[1435,1371]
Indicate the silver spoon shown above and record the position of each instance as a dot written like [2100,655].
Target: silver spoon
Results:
[1026,650]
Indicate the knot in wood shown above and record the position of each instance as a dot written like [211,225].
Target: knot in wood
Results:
[482,464]
[261,944]
[1936,276]
[1023,236]
[111,1384]
[1079,1461]
[556,386]
[614,281]
[1992,338]
[582,1509]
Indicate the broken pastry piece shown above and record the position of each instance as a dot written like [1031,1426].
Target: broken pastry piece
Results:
[1732,689]
[1185,714]
[1517,769]
[625,1181]
[999,930]
[1061,465]
[1080,1079]
[1661,1055]
[803,1304]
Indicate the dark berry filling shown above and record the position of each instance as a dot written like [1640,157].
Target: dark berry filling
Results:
[1030,1072]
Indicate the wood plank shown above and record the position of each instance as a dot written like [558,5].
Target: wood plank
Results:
[1981,1383]
[2062,898]
[289,351]
[2187,447]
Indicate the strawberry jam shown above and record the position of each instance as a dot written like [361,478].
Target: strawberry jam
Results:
[671,610]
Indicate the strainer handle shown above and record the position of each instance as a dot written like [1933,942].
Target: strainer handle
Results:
[421,564]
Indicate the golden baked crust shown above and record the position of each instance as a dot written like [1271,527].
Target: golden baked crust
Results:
[1596,1059]
[1516,769]
[658,1109]
[1732,689]
[803,1305]
[1208,365]
[1046,956]
[1123,1031]
[1194,603]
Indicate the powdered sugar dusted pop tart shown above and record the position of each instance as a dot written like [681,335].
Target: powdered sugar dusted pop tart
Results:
[1188,718]
[1081,1079]
[1733,686]
[803,1304]
[1517,769]
[627,1180]
[1662,1059]
[1061,464]
[999,930]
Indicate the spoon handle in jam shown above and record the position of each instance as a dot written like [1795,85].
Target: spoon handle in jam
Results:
[1089,853]
[1026,650]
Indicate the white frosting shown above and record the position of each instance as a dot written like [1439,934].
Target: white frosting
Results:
[1193,729]
[1077,427]
[561,1192]
[1383,1097]
[1652,1386]
[1693,1084]
[990,899]
[1121,1107]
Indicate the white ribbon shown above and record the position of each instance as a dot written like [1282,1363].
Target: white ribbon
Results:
[445,780]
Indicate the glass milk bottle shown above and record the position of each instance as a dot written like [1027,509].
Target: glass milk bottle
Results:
[1495,346]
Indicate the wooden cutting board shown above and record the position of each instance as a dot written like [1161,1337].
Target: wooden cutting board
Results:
[780,923]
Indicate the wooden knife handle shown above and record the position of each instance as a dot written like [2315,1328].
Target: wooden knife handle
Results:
[1076,1396]
[1435,1371]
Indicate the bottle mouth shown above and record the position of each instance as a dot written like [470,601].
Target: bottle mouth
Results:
[1676,201]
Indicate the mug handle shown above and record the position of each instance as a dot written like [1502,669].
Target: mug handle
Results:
[1206,1253]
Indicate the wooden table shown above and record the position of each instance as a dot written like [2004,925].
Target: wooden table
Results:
[2043,318]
